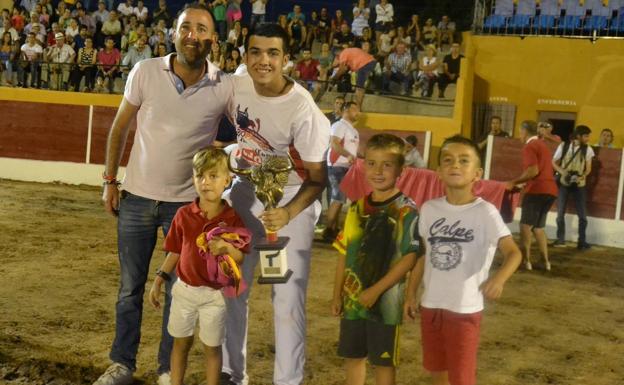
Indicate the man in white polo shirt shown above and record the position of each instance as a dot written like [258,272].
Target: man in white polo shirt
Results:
[178,101]
[343,146]
[276,116]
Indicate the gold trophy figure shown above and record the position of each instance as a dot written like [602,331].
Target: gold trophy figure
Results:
[269,179]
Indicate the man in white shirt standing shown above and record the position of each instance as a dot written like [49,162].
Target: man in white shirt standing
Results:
[30,55]
[178,101]
[343,146]
[276,117]
[258,12]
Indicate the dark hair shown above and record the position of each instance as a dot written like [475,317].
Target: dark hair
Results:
[581,130]
[458,139]
[607,130]
[347,105]
[496,117]
[270,30]
[388,142]
[339,97]
[412,139]
[529,126]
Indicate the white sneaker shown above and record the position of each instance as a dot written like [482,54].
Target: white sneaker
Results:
[164,379]
[116,374]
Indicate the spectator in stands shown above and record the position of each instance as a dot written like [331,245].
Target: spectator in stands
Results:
[428,72]
[158,38]
[73,28]
[79,40]
[39,34]
[17,20]
[312,29]
[65,20]
[397,69]
[446,32]
[136,53]
[108,61]
[297,30]
[4,14]
[242,39]
[326,60]
[58,58]
[141,12]
[7,55]
[412,155]
[51,39]
[385,17]
[85,66]
[125,9]
[539,192]
[59,11]
[258,12]
[402,37]
[384,44]
[450,69]
[573,162]
[44,16]
[161,50]
[28,5]
[344,39]
[496,129]
[606,138]
[367,36]
[544,130]
[161,13]
[361,14]
[7,27]
[358,61]
[101,15]
[307,72]
[77,6]
[216,56]
[324,25]
[86,20]
[234,34]
[336,22]
[429,34]
[112,27]
[343,146]
[336,114]
[30,55]
[233,12]
[220,15]
[413,30]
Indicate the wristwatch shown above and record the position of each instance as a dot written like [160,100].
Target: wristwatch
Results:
[163,275]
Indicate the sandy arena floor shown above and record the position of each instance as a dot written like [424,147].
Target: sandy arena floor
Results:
[59,283]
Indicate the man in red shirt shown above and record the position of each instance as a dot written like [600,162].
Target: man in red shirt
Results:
[540,191]
[307,72]
[108,65]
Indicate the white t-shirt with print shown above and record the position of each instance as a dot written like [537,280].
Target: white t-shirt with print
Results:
[31,50]
[349,139]
[461,242]
[288,124]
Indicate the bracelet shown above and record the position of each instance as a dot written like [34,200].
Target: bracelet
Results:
[163,275]
[109,179]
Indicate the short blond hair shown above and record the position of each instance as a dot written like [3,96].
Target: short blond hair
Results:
[390,143]
[210,158]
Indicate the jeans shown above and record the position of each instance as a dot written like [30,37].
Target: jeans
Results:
[137,227]
[33,68]
[259,19]
[398,77]
[580,199]
[222,29]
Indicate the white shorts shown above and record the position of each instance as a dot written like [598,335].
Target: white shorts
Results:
[190,303]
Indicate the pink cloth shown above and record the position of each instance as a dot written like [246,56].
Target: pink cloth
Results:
[423,184]
[232,285]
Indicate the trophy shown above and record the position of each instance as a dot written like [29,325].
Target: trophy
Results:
[269,179]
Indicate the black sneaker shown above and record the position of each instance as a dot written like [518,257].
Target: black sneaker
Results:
[558,243]
[583,246]
[329,235]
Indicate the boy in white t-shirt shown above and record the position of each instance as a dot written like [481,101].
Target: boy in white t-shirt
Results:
[461,233]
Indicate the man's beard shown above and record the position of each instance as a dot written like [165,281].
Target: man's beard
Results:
[195,61]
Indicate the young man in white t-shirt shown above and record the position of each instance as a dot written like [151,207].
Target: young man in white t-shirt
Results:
[30,55]
[258,12]
[461,233]
[343,146]
[276,116]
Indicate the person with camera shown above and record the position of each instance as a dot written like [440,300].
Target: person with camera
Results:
[573,162]
[540,191]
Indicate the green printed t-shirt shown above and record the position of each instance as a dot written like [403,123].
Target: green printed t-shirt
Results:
[375,237]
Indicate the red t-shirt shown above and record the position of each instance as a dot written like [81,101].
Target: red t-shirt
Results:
[537,153]
[308,71]
[108,59]
[187,224]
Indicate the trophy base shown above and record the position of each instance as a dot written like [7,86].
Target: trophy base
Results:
[275,280]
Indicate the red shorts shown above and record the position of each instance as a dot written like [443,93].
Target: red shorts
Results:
[450,342]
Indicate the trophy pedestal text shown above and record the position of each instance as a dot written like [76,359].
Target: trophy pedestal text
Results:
[273,261]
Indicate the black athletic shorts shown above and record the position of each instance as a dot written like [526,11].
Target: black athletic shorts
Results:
[366,338]
[535,207]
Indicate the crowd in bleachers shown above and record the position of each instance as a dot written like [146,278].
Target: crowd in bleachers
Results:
[560,17]
[84,46]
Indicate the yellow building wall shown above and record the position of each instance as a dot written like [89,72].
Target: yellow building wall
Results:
[552,74]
